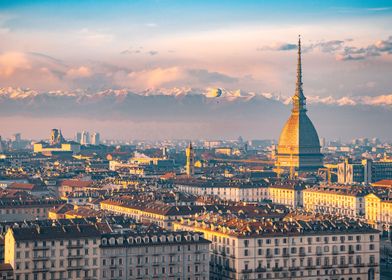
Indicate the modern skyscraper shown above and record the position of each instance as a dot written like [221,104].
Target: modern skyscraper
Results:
[299,145]
[85,138]
[190,160]
[78,137]
[95,138]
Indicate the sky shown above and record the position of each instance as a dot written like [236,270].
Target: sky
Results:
[142,46]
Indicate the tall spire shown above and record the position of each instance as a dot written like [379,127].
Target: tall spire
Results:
[299,100]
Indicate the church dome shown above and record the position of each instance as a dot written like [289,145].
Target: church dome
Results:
[299,136]
[299,145]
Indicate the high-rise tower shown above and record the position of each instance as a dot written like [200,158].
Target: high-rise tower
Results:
[299,145]
[190,160]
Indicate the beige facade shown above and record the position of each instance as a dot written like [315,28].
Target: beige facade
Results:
[155,255]
[233,193]
[67,252]
[378,212]
[334,201]
[286,195]
[323,254]
[27,210]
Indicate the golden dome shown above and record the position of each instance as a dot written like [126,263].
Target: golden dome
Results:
[299,136]
[299,144]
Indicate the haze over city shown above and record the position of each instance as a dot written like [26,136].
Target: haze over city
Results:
[131,69]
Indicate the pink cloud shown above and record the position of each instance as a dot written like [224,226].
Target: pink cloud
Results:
[11,62]
[79,72]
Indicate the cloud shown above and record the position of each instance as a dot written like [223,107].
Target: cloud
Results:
[138,50]
[278,47]
[154,78]
[376,49]
[329,46]
[94,38]
[340,48]
[152,52]
[80,72]
[206,77]
[10,62]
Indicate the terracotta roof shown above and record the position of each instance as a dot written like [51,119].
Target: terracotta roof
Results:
[21,186]
[77,183]
[383,183]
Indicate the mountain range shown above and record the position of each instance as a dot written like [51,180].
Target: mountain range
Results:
[255,115]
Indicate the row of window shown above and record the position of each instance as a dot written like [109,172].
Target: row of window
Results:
[319,250]
[78,242]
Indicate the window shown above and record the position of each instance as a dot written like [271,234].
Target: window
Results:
[246,243]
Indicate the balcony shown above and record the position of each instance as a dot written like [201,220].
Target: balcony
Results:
[277,268]
[286,255]
[261,269]
[373,264]
[359,265]
[74,246]
[310,267]
[294,268]
[327,266]
[40,248]
[351,252]
[75,257]
[302,254]
[247,271]
[41,269]
[269,256]
[76,267]
[40,258]
[343,265]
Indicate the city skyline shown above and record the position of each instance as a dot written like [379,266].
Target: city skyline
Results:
[132,69]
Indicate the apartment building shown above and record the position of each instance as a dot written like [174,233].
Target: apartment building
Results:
[287,193]
[33,209]
[154,254]
[53,252]
[233,191]
[261,249]
[154,212]
[336,200]
[378,211]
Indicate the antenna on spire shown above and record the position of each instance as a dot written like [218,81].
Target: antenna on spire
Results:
[299,100]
